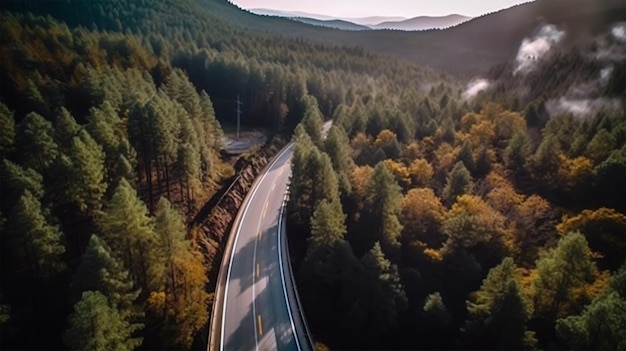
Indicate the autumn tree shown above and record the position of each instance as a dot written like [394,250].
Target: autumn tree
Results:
[422,214]
[600,325]
[183,301]
[95,325]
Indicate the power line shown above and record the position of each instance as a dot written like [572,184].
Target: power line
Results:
[239,103]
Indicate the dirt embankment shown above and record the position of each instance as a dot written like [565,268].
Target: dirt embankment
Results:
[214,220]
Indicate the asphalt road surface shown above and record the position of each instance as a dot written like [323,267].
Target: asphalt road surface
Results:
[256,312]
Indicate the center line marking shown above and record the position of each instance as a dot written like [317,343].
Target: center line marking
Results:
[257,270]
[260,324]
[265,210]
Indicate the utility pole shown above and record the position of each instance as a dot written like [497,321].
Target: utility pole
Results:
[239,103]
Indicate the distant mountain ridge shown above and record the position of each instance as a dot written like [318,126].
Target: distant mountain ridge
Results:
[424,23]
[365,23]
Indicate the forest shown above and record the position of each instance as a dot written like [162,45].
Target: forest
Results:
[423,220]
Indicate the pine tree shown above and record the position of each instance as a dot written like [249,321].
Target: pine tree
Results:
[458,182]
[37,244]
[498,311]
[101,271]
[382,209]
[127,228]
[384,292]
[327,225]
[336,145]
[7,130]
[65,129]
[313,120]
[561,271]
[517,153]
[186,300]
[94,325]
[16,179]
[35,142]
[88,183]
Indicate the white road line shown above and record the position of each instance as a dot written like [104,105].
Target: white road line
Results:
[232,255]
[254,264]
[282,273]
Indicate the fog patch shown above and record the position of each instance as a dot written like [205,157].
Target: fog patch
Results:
[532,49]
[619,32]
[605,75]
[474,87]
[582,107]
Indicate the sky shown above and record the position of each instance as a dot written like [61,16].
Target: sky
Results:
[365,8]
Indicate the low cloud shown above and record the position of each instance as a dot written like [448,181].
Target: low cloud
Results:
[582,107]
[532,49]
[605,75]
[474,87]
[619,32]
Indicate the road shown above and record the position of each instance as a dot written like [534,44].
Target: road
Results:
[254,307]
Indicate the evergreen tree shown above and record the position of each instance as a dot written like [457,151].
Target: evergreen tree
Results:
[382,209]
[35,142]
[458,182]
[313,120]
[88,183]
[15,180]
[65,129]
[127,228]
[7,130]
[94,325]
[560,272]
[336,145]
[38,245]
[327,225]
[466,155]
[101,271]
[517,153]
[498,311]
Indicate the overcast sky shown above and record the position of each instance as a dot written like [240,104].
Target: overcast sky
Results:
[364,8]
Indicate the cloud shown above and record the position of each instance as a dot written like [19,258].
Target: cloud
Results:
[619,32]
[533,49]
[605,75]
[582,107]
[474,87]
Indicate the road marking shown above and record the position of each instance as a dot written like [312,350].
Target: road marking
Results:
[265,209]
[259,324]
[258,270]
[232,255]
[273,187]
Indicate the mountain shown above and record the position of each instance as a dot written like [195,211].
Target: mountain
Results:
[363,21]
[337,24]
[373,20]
[423,23]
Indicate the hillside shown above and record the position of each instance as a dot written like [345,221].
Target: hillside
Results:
[423,23]
[336,24]
[467,49]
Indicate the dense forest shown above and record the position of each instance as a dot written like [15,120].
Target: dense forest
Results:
[111,144]
[425,219]
[427,223]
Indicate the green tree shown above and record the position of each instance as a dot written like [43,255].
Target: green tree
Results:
[16,179]
[37,244]
[382,209]
[601,325]
[94,325]
[561,272]
[185,298]
[458,182]
[336,145]
[466,155]
[65,129]
[498,311]
[35,142]
[88,183]
[125,225]
[327,225]
[313,120]
[517,152]
[101,271]
[7,130]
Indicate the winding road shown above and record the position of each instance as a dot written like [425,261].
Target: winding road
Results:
[255,305]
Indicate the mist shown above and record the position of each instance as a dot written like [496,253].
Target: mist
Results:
[474,87]
[532,49]
[619,32]
[582,107]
